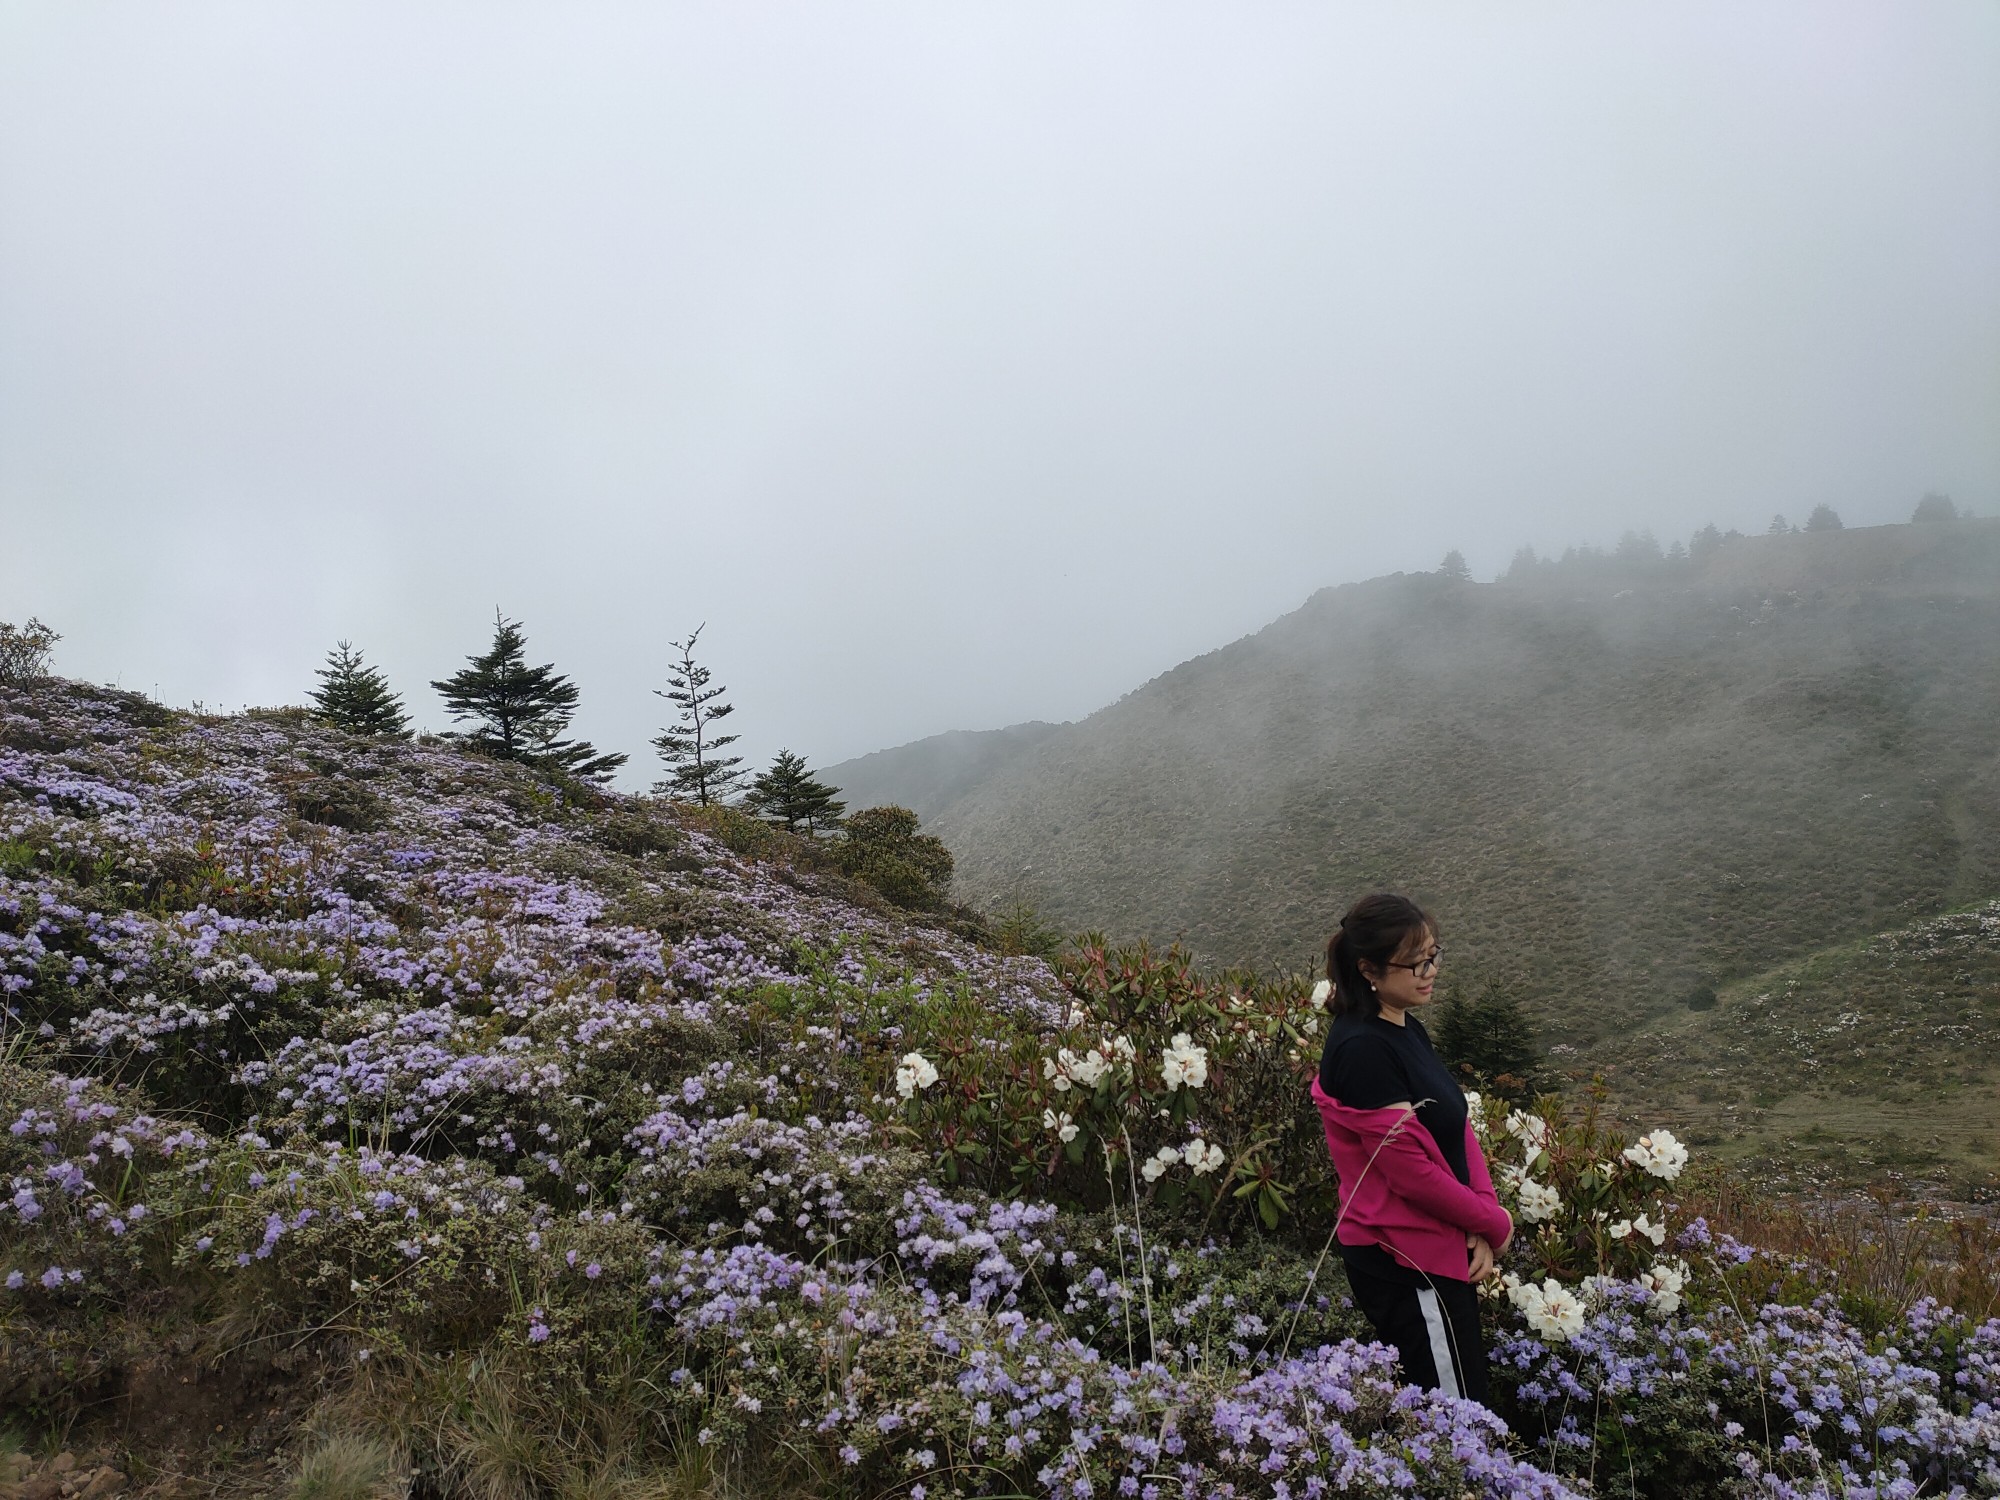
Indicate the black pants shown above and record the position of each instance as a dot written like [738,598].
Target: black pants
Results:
[1433,1327]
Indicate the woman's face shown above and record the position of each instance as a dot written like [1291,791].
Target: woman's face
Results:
[1410,978]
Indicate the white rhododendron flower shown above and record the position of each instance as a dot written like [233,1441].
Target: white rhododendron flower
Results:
[1184,1063]
[1203,1157]
[914,1072]
[1322,992]
[1621,1230]
[1658,1153]
[1067,1070]
[1539,1201]
[1157,1164]
[1533,1131]
[1062,1125]
[1657,1233]
[1123,1050]
[1663,1286]
[1552,1309]
[1475,1111]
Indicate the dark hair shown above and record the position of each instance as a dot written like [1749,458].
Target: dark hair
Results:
[1375,929]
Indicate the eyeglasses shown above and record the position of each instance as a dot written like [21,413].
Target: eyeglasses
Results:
[1424,967]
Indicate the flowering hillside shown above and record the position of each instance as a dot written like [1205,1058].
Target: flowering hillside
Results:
[385,1117]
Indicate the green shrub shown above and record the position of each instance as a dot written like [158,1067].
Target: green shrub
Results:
[884,847]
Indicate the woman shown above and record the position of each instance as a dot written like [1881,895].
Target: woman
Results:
[1419,1222]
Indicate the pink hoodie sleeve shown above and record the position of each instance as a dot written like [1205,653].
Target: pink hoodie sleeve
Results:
[1421,1177]
[1482,1179]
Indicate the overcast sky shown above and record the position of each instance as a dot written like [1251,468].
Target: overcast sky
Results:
[957,364]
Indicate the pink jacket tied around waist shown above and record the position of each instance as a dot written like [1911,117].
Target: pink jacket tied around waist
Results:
[1397,1191]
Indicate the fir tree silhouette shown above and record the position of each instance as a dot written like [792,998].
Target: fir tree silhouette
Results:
[356,697]
[521,711]
[788,793]
[696,772]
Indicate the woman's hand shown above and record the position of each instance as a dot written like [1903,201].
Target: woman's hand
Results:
[1482,1257]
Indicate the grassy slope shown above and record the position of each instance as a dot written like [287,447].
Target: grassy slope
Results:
[1610,788]
[1874,1058]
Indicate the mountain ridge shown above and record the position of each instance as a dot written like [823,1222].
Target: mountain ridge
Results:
[1614,778]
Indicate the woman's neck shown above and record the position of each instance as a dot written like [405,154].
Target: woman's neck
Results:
[1393,1014]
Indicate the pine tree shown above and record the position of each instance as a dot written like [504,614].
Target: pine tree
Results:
[1523,567]
[788,793]
[1779,526]
[1824,518]
[356,697]
[1638,547]
[1454,566]
[521,711]
[1706,540]
[1488,1038]
[695,771]
[1935,507]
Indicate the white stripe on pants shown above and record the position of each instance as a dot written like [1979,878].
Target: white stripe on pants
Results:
[1434,1324]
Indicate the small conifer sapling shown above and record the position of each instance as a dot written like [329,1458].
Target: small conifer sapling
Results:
[696,770]
[356,697]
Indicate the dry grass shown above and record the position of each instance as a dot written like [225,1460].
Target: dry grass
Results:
[485,1431]
[1877,1255]
[350,1466]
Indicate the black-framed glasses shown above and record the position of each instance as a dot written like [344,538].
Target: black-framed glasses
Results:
[1424,967]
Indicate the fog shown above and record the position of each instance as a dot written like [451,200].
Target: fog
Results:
[956,364]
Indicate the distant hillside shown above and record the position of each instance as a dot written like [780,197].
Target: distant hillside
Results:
[1870,1057]
[929,775]
[1614,779]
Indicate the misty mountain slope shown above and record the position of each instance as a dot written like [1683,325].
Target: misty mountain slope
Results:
[1610,785]
[932,773]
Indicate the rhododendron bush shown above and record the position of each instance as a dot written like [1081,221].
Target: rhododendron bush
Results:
[401,1057]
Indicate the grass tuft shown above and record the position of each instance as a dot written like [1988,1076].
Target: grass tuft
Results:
[348,1466]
